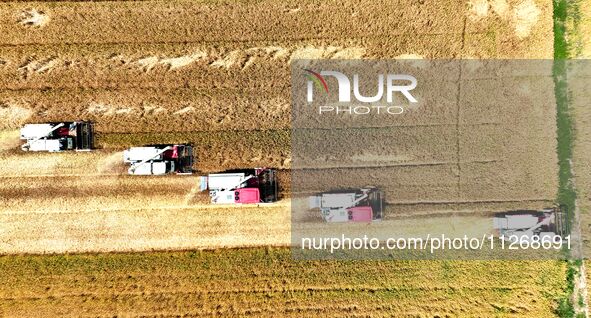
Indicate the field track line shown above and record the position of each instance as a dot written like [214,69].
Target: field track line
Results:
[382,165]
[470,201]
[68,175]
[280,204]
[218,42]
[261,290]
[285,203]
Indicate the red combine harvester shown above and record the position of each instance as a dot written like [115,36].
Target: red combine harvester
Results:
[527,224]
[58,136]
[257,185]
[159,159]
[353,205]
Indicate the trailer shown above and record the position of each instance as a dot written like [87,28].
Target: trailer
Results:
[531,223]
[58,136]
[351,205]
[257,185]
[159,159]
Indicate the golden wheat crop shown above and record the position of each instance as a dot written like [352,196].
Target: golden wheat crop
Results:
[272,284]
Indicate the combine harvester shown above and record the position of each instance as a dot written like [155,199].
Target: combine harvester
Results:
[159,159]
[545,223]
[58,136]
[257,185]
[355,205]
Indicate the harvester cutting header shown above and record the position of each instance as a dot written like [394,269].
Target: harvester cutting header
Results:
[58,136]
[159,159]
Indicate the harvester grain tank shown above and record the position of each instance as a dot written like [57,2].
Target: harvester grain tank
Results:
[257,185]
[58,136]
[159,159]
[351,205]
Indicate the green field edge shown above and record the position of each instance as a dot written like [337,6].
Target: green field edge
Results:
[564,46]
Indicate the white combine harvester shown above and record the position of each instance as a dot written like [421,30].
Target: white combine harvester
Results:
[528,224]
[159,159]
[356,205]
[257,185]
[58,136]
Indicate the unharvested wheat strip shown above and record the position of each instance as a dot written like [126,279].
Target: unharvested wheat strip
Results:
[516,31]
[581,116]
[85,22]
[319,305]
[189,110]
[158,110]
[244,65]
[427,183]
[222,227]
[233,292]
[426,288]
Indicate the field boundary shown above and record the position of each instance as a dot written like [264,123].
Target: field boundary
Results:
[574,303]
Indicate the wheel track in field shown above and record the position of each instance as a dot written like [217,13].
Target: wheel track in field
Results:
[205,291]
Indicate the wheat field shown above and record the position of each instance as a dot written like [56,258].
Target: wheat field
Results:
[217,74]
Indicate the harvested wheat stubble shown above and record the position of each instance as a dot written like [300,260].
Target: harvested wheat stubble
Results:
[132,228]
[15,163]
[79,193]
[199,225]
[9,140]
[272,284]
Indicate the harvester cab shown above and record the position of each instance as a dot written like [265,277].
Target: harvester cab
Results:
[159,159]
[354,205]
[527,224]
[58,136]
[242,186]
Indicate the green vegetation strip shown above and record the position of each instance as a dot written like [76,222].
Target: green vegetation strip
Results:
[565,11]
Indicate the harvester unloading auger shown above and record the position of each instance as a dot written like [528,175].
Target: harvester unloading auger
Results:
[58,136]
